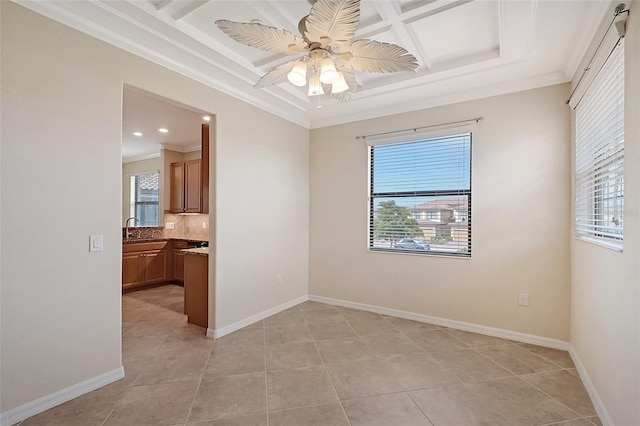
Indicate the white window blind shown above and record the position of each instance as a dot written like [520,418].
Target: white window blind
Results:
[145,198]
[420,196]
[599,167]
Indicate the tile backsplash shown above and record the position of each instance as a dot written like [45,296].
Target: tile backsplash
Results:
[187,226]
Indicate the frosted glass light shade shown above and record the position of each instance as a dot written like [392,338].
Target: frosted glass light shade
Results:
[339,85]
[328,72]
[298,75]
[315,87]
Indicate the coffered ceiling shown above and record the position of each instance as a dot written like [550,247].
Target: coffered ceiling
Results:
[465,49]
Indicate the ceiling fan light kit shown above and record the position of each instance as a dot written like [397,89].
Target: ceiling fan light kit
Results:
[330,56]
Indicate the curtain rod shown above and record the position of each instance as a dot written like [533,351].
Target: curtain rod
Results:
[415,129]
[619,10]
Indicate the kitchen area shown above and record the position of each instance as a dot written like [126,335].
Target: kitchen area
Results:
[165,207]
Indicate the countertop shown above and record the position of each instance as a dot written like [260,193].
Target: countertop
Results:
[200,251]
[146,240]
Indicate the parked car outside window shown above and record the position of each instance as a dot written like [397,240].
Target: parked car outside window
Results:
[412,244]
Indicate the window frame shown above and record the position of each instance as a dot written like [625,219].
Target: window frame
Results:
[372,196]
[133,203]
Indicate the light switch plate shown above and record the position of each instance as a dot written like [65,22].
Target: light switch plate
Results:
[96,242]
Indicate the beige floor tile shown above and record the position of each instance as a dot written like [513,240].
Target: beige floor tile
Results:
[178,343]
[126,325]
[470,366]
[257,324]
[285,318]
[566,388]
[330,330]
[173,368]
[385,410]
[299,387]
[245,339]
[184,327]
[250,420]
[163,404]
[145,347]
[132,315]
[390,344]
[517,360]
[317,415]
[132,370]
[372,326]
[595,420]
[556,356]
[160,327]
[494,402]
[172,311]
[86,410]
[576,422]
[226,363]
[279,334]
[322,315]
[292,355]
[344,350]
[417,371]
[356,314]
[229,396]
[409,326]
[475,339]
[362,378]
[312,306]
[436,341]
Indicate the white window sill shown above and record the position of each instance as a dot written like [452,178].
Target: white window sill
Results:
[615,246]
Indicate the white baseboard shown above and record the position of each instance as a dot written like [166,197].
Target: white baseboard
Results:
[216,334]
[32,408]
[591,390]
[458,325]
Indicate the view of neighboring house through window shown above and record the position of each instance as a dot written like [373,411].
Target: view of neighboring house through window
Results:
[599,188]
[420,196]
[144,198]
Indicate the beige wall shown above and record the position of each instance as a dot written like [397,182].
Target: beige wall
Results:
[131,168]
[520,174]
[605,297]
[61,122]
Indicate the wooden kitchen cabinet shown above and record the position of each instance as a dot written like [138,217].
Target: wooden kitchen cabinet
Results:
[189,181]
[178,261]
[186,187]
[196,289]
[144,263]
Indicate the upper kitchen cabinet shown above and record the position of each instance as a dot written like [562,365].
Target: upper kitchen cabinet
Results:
[189,182]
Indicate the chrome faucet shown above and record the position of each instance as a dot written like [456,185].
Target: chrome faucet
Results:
[127,232]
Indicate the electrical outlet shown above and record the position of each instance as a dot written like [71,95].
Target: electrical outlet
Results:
[523,299]
[169,225]
[204,225]
[278,278]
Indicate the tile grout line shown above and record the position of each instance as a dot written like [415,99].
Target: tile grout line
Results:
[324,365]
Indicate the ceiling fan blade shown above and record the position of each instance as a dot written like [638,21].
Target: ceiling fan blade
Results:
[336,20]
[263,37]
[275,76]
[376,56]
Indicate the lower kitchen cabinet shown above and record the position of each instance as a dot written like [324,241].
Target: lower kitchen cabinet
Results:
[144,263]
[196,289]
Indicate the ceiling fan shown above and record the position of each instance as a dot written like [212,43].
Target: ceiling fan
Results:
[330,56]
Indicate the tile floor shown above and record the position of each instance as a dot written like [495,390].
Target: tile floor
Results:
[317,364]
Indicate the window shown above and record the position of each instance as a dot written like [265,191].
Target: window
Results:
[420,196]
[599,167]
[144,198]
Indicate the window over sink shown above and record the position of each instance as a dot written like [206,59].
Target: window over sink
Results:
[145,198]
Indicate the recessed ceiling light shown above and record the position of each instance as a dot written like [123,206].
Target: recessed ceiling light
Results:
[138,134]
[206,118]
[163,130]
